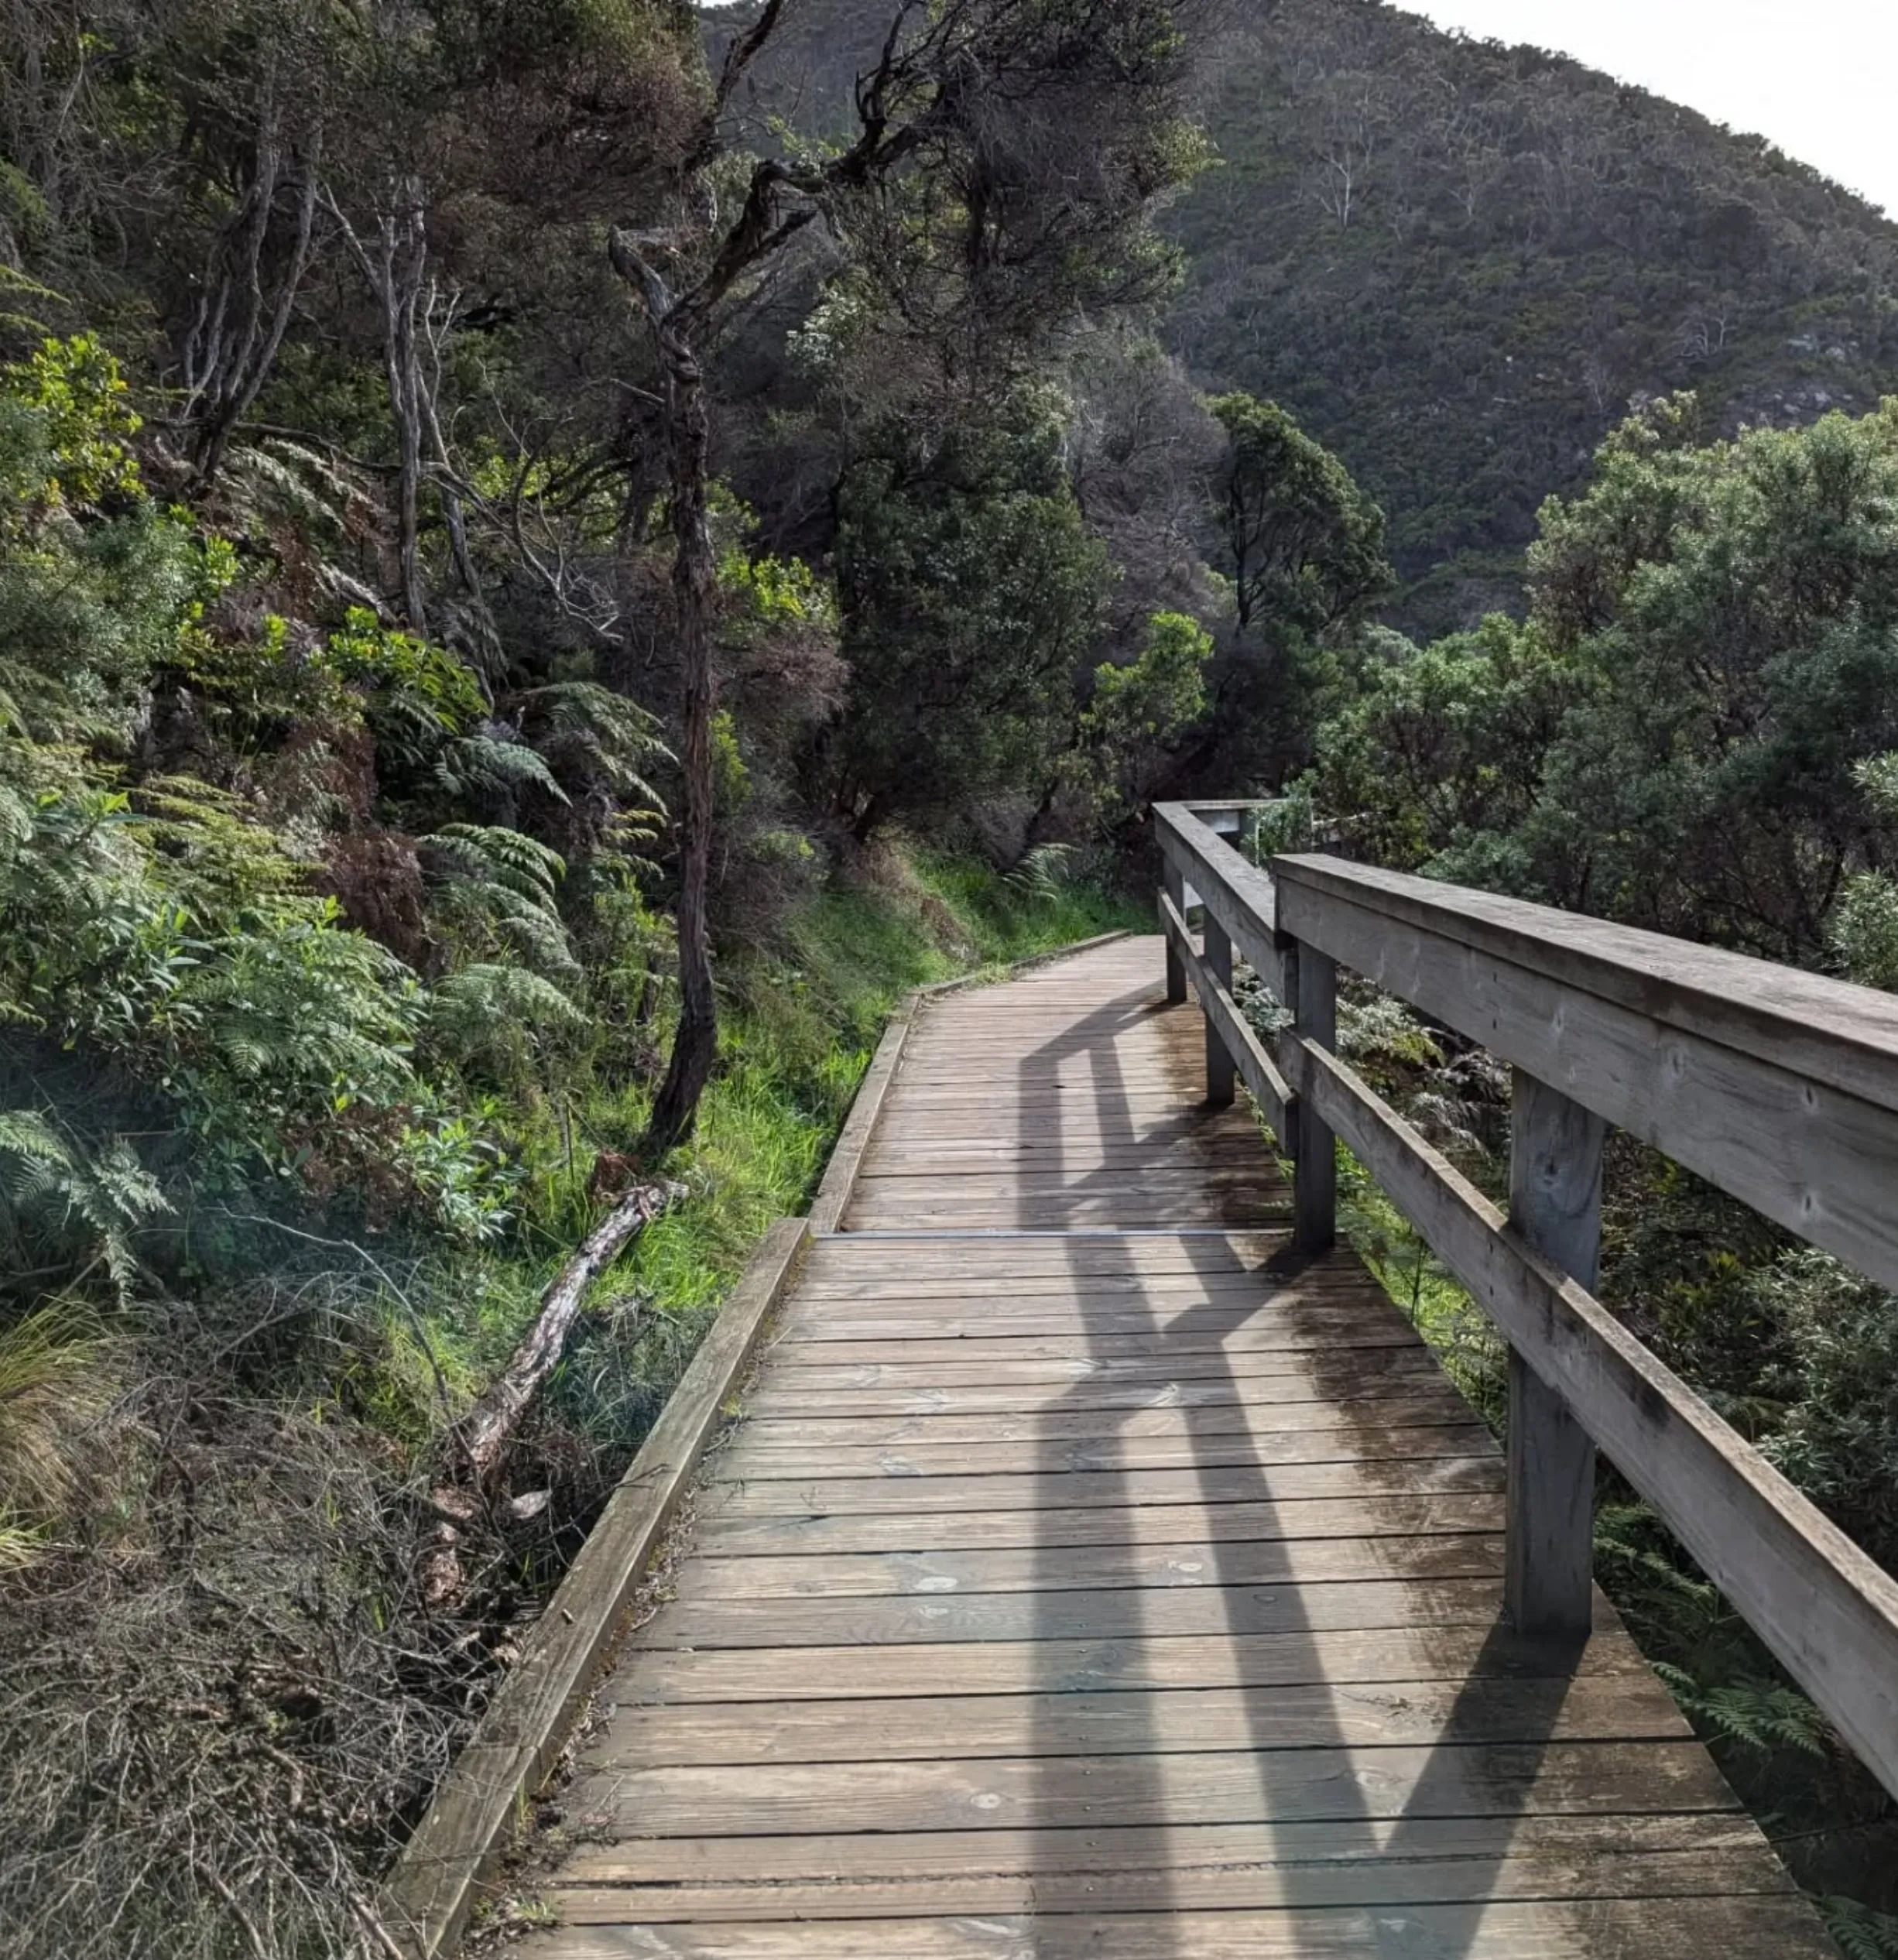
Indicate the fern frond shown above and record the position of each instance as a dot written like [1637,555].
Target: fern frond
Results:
[494,855]
[1861,1932]
[1043,872]
[475,763]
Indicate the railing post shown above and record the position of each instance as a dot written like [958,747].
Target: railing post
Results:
[1309,980]
[1174,886]
[1555,1205]
[1222,1076]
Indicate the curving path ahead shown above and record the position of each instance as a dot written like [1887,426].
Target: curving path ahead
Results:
[1088,1576]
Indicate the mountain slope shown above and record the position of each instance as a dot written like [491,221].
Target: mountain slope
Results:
[1457,262]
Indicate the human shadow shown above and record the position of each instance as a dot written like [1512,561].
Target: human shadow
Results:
[1316,1799]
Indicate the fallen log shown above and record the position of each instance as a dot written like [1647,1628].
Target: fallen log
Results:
[479,1442]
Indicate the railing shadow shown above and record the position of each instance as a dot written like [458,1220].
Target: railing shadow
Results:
[1258,1589]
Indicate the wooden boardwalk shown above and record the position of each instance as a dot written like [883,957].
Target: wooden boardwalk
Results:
[1089,1577]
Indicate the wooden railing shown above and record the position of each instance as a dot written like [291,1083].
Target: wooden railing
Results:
[1780,1086]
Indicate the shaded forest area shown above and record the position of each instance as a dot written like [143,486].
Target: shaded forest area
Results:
[557,554]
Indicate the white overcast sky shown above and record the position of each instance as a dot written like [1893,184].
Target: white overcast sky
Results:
[1819,79]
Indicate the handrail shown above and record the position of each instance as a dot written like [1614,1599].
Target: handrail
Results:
[1705,1054]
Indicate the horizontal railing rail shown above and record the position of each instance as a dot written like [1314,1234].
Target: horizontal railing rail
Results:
[1779,1086]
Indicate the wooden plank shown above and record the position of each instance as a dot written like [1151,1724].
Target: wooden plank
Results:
[431,1890]
[1683,1929]
[1180,1323]
[1127,1614]
[1311,977]
[1365,1441]
[1453,1652]
[1436,1402]
[1358,1849]
[1173,1526]
[1398,1476]
[1616,1707]
[1043,1568]
[1205,1867]
[1227,1787]
[853,1141]
[1829,1613]
[1154,1371]
[1174,1343]
[1344,1376]
[1220,1074]
[1227,1027]
[1239,896]
[1829,1031]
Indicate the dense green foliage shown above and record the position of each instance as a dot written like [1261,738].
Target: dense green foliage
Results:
[358,695]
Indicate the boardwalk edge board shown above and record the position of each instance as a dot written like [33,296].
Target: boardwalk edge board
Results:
[840,1174]
[436,1882]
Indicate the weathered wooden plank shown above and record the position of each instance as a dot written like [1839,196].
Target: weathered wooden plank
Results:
[1682,1929]
[1830,1031]
[1453,1652]
[1227,1028]
[1430,1402]
[1207,1867]
[1345,1376]
[1130,1613]
[1238,894]
[1235,1786]
[1354,1855]
[1154,1371]
[1555,1206]
[853,1143]
[1364,1441]
[1826,1610]
[1046,1568]
[1606,1707]
[1176,1342]
[1066,1490]
[1181,1322]
[1174,1526]
[1806,1149]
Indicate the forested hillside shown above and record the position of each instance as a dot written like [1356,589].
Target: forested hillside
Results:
[1459,263]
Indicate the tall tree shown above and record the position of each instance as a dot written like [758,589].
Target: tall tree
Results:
[1006,156]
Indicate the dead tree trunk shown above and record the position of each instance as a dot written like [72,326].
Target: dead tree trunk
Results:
[479,1441]
[395,271]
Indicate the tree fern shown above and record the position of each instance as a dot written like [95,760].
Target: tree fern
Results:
[579,724]
[485,764]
